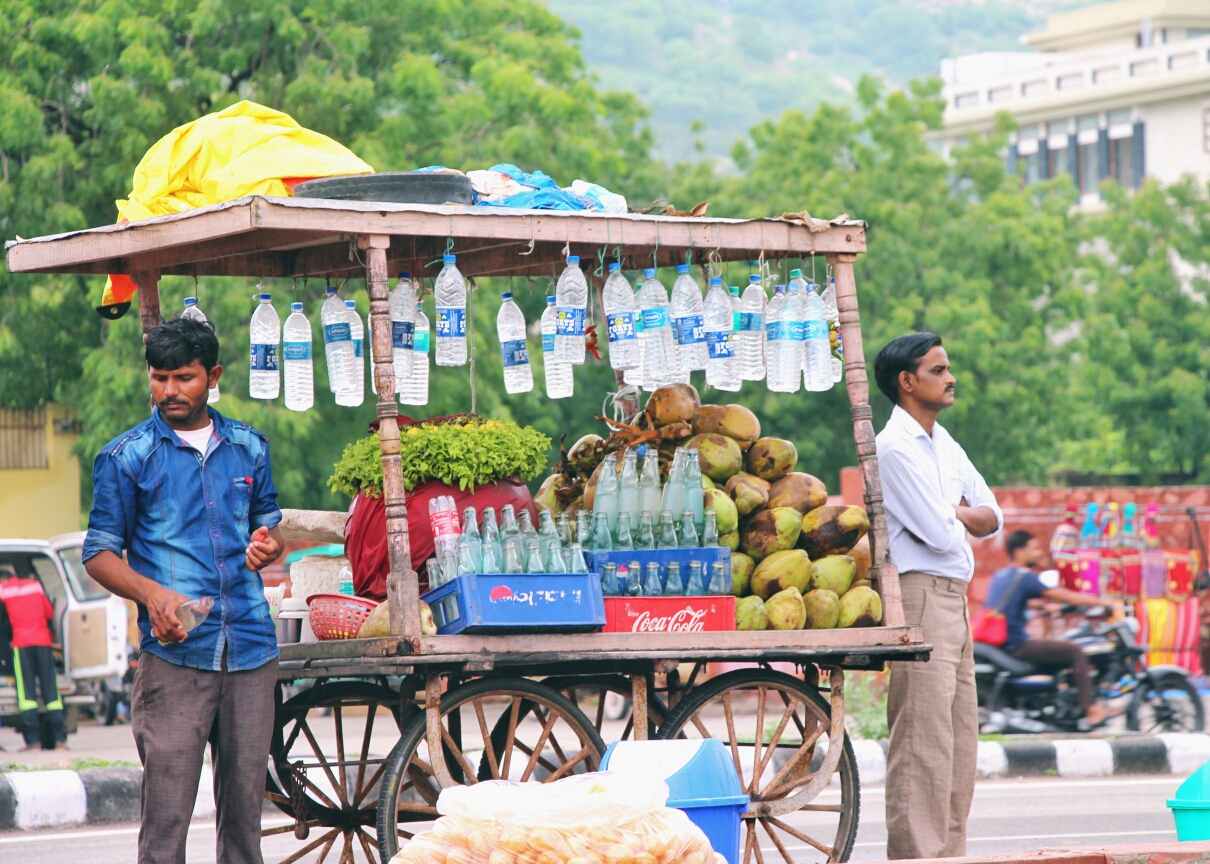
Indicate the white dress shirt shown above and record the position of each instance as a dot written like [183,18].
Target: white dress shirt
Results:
[923,480]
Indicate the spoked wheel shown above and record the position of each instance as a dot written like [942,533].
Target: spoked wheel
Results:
[1166,703]
[605,700]
[492,729]
[324,771]
[771,723]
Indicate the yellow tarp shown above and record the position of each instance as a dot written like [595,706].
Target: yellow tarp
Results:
[246,149]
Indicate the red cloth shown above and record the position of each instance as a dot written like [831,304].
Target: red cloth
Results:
[28,610]
[366,528]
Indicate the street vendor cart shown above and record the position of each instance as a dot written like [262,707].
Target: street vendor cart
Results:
[463,708]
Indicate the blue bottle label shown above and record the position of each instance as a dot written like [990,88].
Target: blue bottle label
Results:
[337,333]
[296,351]
[548,343]
[735,322]
[359,348]
[421,345]
[653,319]
[403,335]
[514,353]
[795,330]
[569,321]
[451,322]
[718,343]
[750,321]
[263,358]
[690,330]
[638,324]
[621,326]
[775,330]
[817,329]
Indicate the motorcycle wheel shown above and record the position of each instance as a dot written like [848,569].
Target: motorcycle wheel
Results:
[1167,703]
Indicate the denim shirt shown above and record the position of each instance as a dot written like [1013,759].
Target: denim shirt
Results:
[185,521]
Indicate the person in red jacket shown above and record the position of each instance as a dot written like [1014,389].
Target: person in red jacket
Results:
[29,614]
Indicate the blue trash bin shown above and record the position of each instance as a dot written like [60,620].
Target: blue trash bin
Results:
[701,782]
[1191,806]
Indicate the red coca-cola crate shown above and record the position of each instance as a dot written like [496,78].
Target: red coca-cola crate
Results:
[669,614]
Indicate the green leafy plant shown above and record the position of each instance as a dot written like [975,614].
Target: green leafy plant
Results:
[465,452]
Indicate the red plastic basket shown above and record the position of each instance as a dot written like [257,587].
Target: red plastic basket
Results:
[338,616]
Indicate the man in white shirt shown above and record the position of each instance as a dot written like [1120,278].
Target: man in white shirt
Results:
[933,497]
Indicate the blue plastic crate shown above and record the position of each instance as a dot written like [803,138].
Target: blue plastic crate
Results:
[518,603]
[706,554]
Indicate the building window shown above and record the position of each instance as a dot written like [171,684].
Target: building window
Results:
[1121,162]
[1056,162]
[22,438]
[1089,168]
[966,100]
[1206,130]
[1035,167]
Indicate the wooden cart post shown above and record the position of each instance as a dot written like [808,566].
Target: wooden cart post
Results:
[403,590]
[148,282]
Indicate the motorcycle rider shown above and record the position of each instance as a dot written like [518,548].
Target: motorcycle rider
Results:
[1025,553]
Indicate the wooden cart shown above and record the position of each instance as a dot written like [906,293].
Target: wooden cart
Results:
[467,708]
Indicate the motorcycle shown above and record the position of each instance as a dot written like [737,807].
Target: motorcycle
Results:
[1020,697]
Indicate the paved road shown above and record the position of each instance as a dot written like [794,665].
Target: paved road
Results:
[1008,816]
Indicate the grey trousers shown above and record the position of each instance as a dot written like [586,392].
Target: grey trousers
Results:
[177,710]
[933,715]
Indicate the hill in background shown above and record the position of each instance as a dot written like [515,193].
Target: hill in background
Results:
[710,69]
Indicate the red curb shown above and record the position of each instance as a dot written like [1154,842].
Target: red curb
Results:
[1164,853]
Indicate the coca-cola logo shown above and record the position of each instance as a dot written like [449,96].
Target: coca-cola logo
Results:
[687,620]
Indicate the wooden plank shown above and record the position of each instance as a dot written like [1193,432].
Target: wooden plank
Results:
[148,282]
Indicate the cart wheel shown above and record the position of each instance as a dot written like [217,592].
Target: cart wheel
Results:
[536,734]
[595,694]
[787,716]
[322,770]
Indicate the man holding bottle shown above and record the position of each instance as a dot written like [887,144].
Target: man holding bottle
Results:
[188,496]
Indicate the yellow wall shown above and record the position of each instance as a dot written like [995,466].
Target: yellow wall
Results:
[40,503]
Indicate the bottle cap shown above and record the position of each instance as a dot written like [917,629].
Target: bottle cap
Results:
[295,307]
[573,259]
[614,266]
[753,277]
[682,268]
[641,450]
[350,304]
[190,301]
[734,289]
[649,273]
[716,280]
[506,295]
[795,273]
[550,299]
[448,258]
[265,298]
[403,274]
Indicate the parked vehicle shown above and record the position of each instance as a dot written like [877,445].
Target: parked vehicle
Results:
[1015,696]
[89,628]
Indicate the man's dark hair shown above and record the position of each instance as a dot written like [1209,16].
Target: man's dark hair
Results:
[1019,539]
[901,354]
[179,342]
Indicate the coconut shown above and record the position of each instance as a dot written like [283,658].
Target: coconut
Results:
[835,573]
[785,610]
[781,570]
[546,499]
[822,608]
[730,540]
[675,403]
[741,573]
[706,418]
[734,421]
[801,491]
[719,456]
[771,458]
[750,614]
[860,607]
[725,514]
[749,492]
[771,531]
[832,530]
[861,554]
[582,454]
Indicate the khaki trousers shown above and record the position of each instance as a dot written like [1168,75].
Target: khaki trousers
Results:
[933,715]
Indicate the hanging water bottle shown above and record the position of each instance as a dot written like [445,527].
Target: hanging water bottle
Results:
[617,297]
[687,316]
[296,357]
[415,388]
[792,349]
[192,311]
[450,291]
[721,371]
[403,329]
[559,380]
[338,342]
[833,315]
[355,394]
[817,347]
[659,347]
[777,334]
[634,377]
[571,301]
[752,331]
[510,330]
[264,379]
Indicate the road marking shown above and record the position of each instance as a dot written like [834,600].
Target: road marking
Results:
[119,832]
[1032,837]
[1006,785]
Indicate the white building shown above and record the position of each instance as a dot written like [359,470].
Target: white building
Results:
[1117,90]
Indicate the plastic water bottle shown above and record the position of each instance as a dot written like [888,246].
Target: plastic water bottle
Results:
[781,349]
[792,351]
[192,311]
[649,481]
[752,331]
[721,371]
[510,330]
[443,520]
[571,301]
[833,315]
[618,300]
[450,291]
[414,390]
[659,348]
[296,357]
[344,584]
[560,382]
[355,393]
[816,346]
[338,342]
[628,487]
[264,379]
[687,316]
[403,329]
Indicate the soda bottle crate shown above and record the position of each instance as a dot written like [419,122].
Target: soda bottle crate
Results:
[711,613]
[518,603]
[706,554]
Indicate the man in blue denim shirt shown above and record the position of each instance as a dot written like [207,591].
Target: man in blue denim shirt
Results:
[188,497]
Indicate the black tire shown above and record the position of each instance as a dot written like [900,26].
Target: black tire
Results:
[1166,703]
[392,187]
[850,784]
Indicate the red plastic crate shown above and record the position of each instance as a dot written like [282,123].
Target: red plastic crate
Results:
[669,614]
